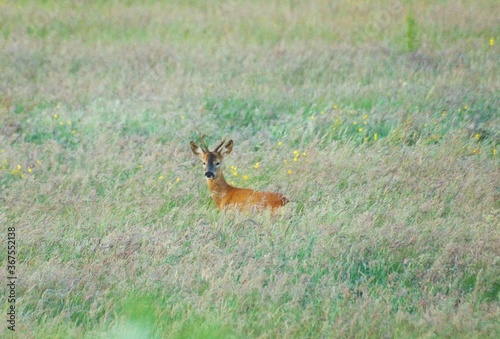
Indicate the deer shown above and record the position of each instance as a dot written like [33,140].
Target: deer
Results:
[225,195]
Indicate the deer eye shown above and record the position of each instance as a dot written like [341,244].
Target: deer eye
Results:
[204,163]
[217,163]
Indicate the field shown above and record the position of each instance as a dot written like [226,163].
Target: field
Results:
[379,120]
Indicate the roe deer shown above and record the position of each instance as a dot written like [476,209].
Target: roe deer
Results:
[224,194]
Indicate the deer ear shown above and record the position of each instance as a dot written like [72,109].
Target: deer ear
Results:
[226,150]
[195,148]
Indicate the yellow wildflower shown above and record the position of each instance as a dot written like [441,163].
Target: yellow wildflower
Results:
[492,41]
[245,177]
[280,143]
[375,137]
[256,165]
[289,171]
[56,116]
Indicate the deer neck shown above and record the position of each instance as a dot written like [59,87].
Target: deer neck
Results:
[218,187]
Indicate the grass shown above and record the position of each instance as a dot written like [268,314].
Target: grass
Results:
[379,120]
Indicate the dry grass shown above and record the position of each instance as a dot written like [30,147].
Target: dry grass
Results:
[387,148]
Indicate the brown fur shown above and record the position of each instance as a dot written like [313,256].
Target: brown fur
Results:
[226,195]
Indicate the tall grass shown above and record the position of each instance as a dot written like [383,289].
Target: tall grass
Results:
[378,121]
[411,31]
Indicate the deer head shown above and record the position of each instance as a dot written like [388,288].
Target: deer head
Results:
[212,160]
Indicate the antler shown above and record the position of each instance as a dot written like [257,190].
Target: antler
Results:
[202,142]
[216,150]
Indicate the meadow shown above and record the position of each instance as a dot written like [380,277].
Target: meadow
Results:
[379,120]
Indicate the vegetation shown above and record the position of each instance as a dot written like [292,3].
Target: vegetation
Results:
[379,120]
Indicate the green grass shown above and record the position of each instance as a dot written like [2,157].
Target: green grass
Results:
[378,120]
